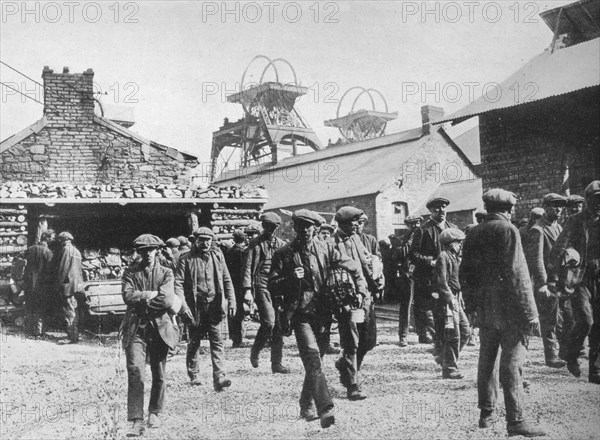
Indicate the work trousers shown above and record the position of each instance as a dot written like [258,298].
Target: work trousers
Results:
[356,340]
[215,338]
[501,357]
[423,307]
[548,310]
[147,341]
[69,316]
[565,325]
[454,337]
[405,293]
[268,328]
[236,323]
[309,334]
[585,303]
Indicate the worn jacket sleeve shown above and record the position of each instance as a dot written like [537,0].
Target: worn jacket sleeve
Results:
[442,275]
[415,250]
[227,283]
[166,292]
[249,257]
[179,279]
[516,276]
[534,252]
[131,294]
[563,241]
[277,279]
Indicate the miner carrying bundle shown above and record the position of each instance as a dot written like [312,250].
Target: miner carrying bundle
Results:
[299,273]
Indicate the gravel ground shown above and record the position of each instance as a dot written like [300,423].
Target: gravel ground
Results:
[79,391]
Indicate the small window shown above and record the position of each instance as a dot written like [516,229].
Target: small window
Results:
[399,213]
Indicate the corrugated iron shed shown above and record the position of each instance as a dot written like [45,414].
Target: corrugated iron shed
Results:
[548,74]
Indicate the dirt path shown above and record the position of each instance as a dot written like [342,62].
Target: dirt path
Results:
[79,391]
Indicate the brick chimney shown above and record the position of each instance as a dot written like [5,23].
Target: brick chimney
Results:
[68,97]
[430,113]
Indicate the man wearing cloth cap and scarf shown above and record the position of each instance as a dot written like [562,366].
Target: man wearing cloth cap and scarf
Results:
[298,274]
[540,240]
[424,252]
[255,277]
[356,339]
[147,329]
[69,278]
[494,266]
[202,280]
[582,233]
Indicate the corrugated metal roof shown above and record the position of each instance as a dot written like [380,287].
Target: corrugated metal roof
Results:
[580,20]
[463,196]
[344,171]
[468,142]
[564,71]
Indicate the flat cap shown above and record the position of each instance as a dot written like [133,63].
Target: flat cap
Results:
[537,211]
[364,217]
[204,232]
[270,217]
[145,241]
[500,196]
[555,198]
[437,201]
[65,236]
[480,214]
[449,235]
[253,228]
[592,189]
[172,242]
[308,216]
[347,213]
[183,241]
[327,227]
[574,200]
[413,219]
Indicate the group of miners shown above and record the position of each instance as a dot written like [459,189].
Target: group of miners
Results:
[49,273]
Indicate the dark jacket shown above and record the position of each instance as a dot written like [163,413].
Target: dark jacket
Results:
[540,241]
[36,278]
[235,257]
[137,286]
[186,277]
[256,254]
[493,265]
[352,247]
[69,272]
[446,276]
[370,243]
[323,256]
[426,247]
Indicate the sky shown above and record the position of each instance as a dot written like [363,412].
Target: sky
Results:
[173,63]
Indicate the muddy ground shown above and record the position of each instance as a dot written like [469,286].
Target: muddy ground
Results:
[79,391]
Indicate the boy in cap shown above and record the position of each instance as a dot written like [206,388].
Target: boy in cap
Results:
[202,280]
[69,279]
[457,330]
[582,233]
[534,215]
[424,252]
[574,204]
[356,339]
[493,265]
[255,277]
[540,241]
[147,289]
[325,231]
[298,275]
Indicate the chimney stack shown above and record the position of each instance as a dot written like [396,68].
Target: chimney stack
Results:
[429,114]
[68,97]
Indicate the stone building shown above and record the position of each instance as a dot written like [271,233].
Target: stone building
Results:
[541,132]
[71,143]
[388,177]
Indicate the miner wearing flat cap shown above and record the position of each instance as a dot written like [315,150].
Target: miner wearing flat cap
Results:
[424,251]
[299,272]
[235,257]
[69,278]
[534,215]
[255,277]
[202,280]
[574,204]
[148,331]
[540,240]
[325,231]
[581,232]
[404,275]
[493,265]
[356,338]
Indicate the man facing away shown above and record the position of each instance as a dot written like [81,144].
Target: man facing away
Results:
[255,277]
[203,282]
[148,331]
[69,277]
[494,266]
[298,274]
